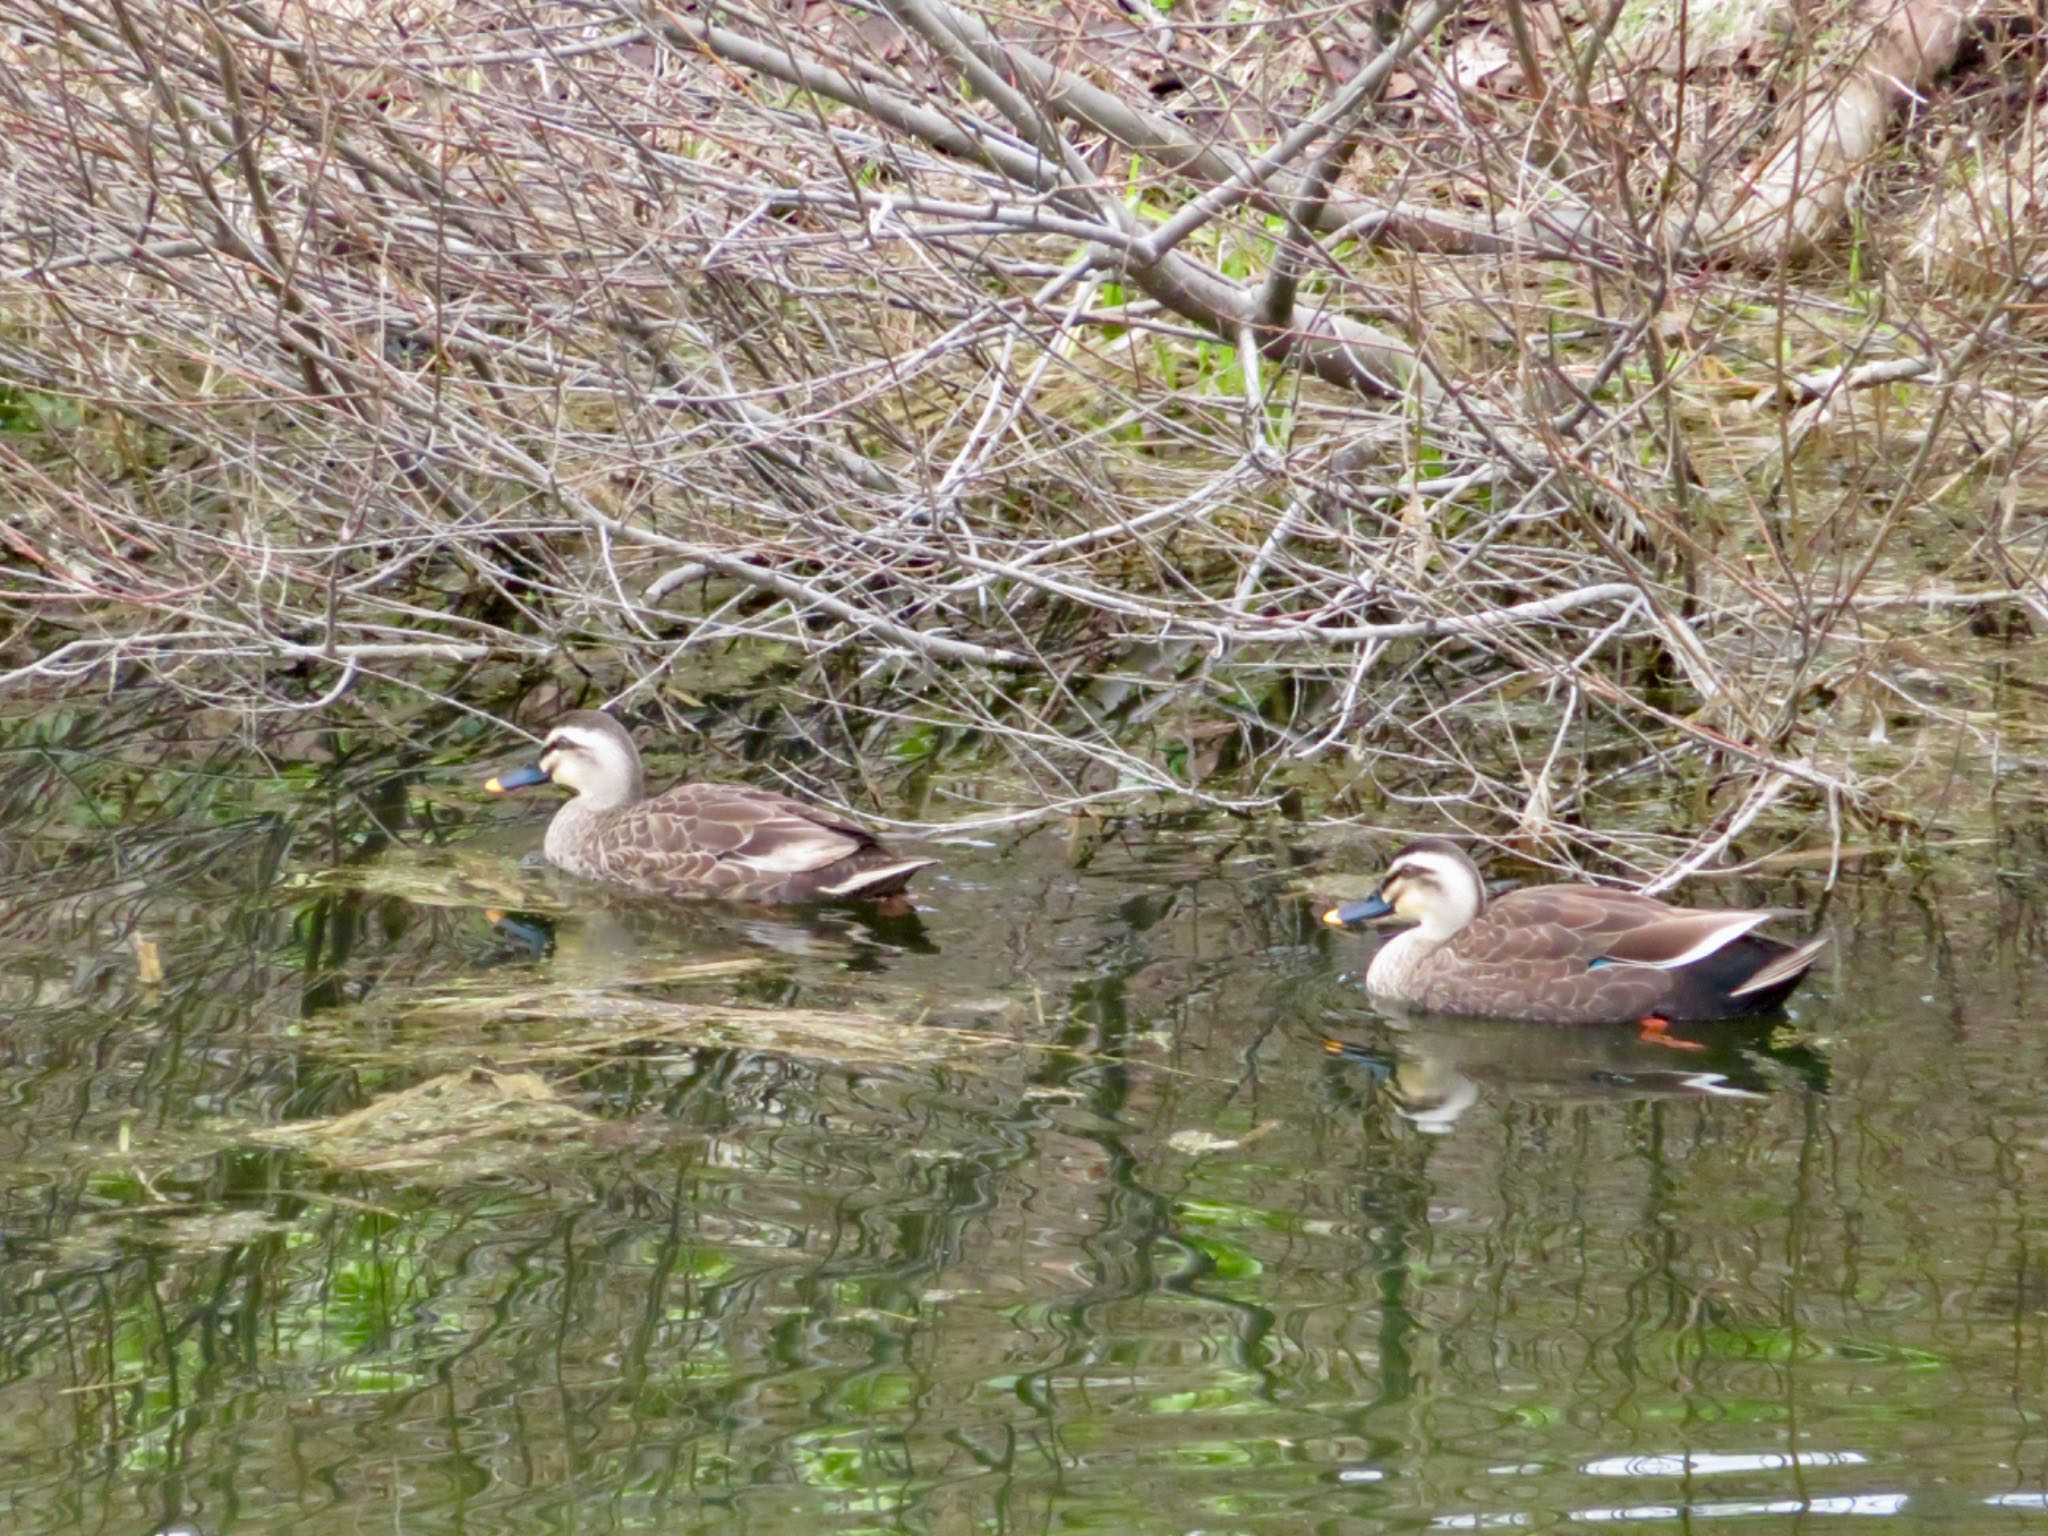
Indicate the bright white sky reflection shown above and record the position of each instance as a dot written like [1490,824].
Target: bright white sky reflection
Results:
[1711,1509]
[1716,1463]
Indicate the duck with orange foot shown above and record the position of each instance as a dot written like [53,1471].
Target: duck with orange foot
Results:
[1567,954]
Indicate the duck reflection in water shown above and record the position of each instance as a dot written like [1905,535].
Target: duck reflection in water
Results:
[614,943]
[1436,1073]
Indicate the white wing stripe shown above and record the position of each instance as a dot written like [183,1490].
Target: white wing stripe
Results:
[1737,924]
[800,855]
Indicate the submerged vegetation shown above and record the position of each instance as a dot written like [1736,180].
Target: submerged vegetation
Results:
[1541,420]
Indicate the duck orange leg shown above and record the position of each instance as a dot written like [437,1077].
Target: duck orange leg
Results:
[1655,1029]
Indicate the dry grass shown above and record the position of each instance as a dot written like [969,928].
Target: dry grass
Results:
[355,353]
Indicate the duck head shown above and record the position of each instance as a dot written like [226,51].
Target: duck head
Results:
[1431,883]
[585,751]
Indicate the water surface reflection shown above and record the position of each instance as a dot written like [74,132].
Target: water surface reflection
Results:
[1054,1213]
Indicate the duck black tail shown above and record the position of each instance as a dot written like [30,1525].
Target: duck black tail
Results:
[1750,976]
[1772,982]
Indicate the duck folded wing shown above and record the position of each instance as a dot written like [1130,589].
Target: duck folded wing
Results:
[1681,939]
[758,829]
[1614,928]
[1572,924]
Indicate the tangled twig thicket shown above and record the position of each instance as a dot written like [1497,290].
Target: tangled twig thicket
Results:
[1180,401]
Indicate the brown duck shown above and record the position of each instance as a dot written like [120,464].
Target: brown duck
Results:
[701,841]
[1565,954]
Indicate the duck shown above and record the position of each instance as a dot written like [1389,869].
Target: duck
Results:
[696,841]
[1566,954]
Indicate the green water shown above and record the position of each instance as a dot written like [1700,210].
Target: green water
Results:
[1050,1212]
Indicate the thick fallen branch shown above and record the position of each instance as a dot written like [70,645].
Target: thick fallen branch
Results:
[1797,193]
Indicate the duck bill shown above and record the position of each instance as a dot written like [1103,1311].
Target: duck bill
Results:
[1354,912]
[517,778]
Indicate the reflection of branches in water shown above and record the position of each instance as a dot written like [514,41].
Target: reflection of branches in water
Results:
[126,829]
[1025,1257]
[99,826]
[1021,412]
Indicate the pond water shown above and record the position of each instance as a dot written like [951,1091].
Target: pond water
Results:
[357,1178]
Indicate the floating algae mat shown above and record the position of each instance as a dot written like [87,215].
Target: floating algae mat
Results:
[456,1127]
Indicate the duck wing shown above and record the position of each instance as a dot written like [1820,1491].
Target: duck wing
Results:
[715,841]
[756,829]
[1575,954]
[1585,924]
